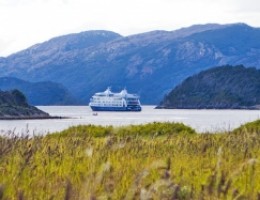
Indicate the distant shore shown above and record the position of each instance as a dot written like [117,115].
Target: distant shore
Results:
[257,107]
[32,117]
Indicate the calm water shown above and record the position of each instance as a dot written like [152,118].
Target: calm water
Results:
[201,120]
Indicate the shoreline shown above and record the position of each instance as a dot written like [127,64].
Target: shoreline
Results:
[201,120]
[205,108]
[33,118]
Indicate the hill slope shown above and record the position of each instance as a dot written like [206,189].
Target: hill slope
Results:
[149,64]
[39,93]
[221,88]
[13,105]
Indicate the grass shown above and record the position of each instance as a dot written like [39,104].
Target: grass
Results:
[153,161]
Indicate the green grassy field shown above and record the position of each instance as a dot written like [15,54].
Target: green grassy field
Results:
[152,161]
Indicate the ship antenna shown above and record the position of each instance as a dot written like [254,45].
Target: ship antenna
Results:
[125,90]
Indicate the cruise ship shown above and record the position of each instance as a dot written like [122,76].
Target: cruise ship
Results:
[110,101]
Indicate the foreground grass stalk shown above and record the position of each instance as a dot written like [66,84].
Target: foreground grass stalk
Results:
[153,161]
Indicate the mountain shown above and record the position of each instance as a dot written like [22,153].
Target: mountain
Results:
[39,93]
[13,105]
[149,64]
[221,88]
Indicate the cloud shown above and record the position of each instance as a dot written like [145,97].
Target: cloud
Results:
[245,6]
[26,22]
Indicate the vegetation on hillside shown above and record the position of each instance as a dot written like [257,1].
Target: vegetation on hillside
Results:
[13,105]
[94,162]
[251,127]
[149,64]
[39,93]
[221,87]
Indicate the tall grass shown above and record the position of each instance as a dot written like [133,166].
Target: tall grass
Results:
[153,161]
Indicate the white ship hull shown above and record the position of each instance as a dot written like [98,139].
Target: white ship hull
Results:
[109,101]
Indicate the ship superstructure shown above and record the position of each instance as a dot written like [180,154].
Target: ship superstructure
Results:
[109,101]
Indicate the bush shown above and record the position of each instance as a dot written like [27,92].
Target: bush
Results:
[86,130]
[249,128]
[155,129]
[151,129]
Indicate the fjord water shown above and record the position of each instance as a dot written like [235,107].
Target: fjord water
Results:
[200,120]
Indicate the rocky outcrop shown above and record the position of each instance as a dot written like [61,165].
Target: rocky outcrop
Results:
[13,105]
[224,87]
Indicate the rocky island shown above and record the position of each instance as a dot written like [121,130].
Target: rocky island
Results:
[13,105]
[226,87]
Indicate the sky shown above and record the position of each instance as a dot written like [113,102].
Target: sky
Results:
[24,23]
